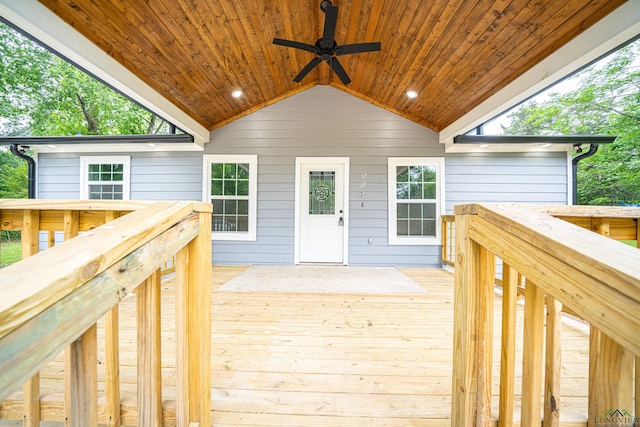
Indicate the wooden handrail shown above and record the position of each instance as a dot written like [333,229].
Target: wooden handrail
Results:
[596,277]
[53,299]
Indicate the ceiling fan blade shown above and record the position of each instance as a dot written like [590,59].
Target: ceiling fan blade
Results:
[310,66]
[357,48]
[296,45]
[339,70]
[330,19]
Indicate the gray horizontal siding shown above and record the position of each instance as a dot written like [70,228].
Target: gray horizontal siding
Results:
[537,178]
[154,175]
[325,122]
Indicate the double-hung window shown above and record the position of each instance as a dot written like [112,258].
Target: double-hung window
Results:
[416,198]
[104,177]
[231,185]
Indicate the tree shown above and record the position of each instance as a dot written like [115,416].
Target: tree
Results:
[45,96]
[606,101]
[13,176]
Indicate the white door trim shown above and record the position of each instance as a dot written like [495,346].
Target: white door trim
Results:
[344,161]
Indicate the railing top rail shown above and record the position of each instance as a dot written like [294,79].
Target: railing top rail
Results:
[590,211]
[595,276]
[87,205]
[32,285]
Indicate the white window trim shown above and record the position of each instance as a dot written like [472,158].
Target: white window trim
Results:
[252,160]
[85,161]
[438,164]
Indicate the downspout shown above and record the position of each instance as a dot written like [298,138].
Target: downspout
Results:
[574,162]
[20,152]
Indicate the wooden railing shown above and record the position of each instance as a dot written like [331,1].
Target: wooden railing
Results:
[564,265]
[52,299]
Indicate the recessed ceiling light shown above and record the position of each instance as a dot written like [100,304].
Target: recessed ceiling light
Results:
[412,94]
[546,145]
[53,146]
[236,93]
[151,144]
[484,145]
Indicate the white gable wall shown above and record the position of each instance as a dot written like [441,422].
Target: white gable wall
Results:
[325,122]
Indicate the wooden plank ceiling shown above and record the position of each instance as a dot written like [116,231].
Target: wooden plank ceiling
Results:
[454,53]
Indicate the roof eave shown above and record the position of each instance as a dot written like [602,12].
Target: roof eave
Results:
[42,24]
[616,29]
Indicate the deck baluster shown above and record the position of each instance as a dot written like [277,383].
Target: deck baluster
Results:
[81,381]
[508,345]
[149,358]
[532,355]
[30,236]
[553,364]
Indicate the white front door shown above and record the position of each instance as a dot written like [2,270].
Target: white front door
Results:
[322,203]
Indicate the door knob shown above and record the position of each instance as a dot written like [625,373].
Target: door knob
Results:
[340,222]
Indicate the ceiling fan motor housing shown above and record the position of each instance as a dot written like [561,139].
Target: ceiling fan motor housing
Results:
[326,48]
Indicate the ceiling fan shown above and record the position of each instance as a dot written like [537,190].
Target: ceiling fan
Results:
[326,47]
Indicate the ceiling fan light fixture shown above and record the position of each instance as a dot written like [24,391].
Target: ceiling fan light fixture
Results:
[412,94]
[236,93]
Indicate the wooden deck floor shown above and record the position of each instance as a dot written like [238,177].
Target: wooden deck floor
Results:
[314,359]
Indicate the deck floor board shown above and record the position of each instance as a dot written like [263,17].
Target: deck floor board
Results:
[321,359]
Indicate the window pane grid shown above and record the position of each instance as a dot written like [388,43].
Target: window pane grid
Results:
[416,219]
[230,197]
[230,215]
[415,182]
[230,179]
[105,192]
[414,200]
[106,172]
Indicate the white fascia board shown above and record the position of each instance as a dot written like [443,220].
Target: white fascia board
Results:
[615,29]
[38,21]
[115,148]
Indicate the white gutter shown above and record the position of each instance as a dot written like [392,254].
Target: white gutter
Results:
[38,21]
[615,29]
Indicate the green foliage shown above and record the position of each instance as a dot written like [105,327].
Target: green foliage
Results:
[10,252]
[605,101]
[13,176]
[45,96]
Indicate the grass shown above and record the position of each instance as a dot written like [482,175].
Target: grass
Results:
[633,243]
[10,252]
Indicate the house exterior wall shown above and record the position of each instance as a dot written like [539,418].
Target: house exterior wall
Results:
[154,175]
[326,122]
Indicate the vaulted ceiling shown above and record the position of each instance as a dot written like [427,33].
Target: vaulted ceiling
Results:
[453,53]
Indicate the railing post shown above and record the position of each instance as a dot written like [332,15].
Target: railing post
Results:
[611,366]
[193,329]
[81,392]
[473,330]
[30,246]
[112,357]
